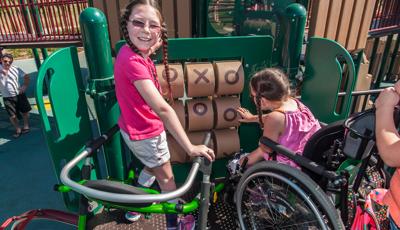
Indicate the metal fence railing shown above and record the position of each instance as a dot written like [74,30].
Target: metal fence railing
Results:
[40,23]
[386,16]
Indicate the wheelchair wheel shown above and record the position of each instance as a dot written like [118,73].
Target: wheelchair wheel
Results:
[276,196]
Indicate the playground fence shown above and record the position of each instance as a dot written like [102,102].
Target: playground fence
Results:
[40,23]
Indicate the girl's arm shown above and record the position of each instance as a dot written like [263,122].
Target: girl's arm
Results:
[154,99]
[274,125]
[387,137]
[247,117]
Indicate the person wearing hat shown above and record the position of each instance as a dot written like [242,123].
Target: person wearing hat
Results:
[15,101]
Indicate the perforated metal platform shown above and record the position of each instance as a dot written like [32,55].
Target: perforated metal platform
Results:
[221,216]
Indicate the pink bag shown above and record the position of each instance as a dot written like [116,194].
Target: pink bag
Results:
[374,214]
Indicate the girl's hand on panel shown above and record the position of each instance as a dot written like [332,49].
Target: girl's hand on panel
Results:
[246,115]
[202,150]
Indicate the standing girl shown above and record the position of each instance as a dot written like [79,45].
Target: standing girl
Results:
[290,123]
[144,112]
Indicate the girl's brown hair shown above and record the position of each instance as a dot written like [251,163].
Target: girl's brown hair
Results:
[164,36]
[272,84]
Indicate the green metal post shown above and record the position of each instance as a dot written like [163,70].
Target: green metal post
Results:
[394,55]
[373,54]
[295,23]
[27,21]
[385,56]
[37,23]
[96,43]
[201,18]
[45,54]
[36,57]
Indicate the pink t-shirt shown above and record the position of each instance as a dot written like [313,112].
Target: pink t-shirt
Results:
[137,119]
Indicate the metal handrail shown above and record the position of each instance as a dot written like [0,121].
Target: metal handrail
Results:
[118,197]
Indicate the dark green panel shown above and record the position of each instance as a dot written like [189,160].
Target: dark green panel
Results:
[69,129]
[323,78]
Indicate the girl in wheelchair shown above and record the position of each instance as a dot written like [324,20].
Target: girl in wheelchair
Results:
[288,121]
[388,141]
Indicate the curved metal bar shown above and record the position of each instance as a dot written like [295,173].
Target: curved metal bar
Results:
[124,198]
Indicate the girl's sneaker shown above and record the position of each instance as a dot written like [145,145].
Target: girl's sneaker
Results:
[187,223]
[132,216]
[234,165]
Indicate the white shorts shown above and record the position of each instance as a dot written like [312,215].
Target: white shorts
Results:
[152,152]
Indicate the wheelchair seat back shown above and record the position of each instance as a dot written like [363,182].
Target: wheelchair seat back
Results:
[322,140]
[360,128]
[317,146]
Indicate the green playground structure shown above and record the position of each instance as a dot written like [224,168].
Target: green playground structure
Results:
[96,170]
[73,128]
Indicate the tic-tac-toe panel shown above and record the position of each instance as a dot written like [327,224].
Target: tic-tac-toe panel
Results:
[206,100]
[213,74]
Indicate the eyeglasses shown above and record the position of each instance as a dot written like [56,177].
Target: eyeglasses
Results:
[142,25]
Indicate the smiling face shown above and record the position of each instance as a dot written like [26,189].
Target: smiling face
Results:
[144,27]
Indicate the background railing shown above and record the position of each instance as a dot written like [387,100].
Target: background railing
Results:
[386,16]
[383,45]
[29,23]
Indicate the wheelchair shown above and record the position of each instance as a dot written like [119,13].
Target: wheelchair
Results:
[340,165]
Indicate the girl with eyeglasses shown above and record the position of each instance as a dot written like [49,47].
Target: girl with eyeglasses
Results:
[144,112]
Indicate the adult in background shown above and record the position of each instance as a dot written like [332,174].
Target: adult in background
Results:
[14,98]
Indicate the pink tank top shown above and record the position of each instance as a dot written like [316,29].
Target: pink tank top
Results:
[300,125]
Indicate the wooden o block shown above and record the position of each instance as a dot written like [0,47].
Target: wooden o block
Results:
[178,155]
[225,112]
[200,114]
[229,77]
[200,79]
[197,138]
[176,80]
[179,109]
[226,142]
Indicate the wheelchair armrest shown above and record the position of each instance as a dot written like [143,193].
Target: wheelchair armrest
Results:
[299,159]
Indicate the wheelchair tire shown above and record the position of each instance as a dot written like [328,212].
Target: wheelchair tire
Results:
[271,195]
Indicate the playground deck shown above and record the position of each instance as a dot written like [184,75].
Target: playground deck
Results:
[27,175]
